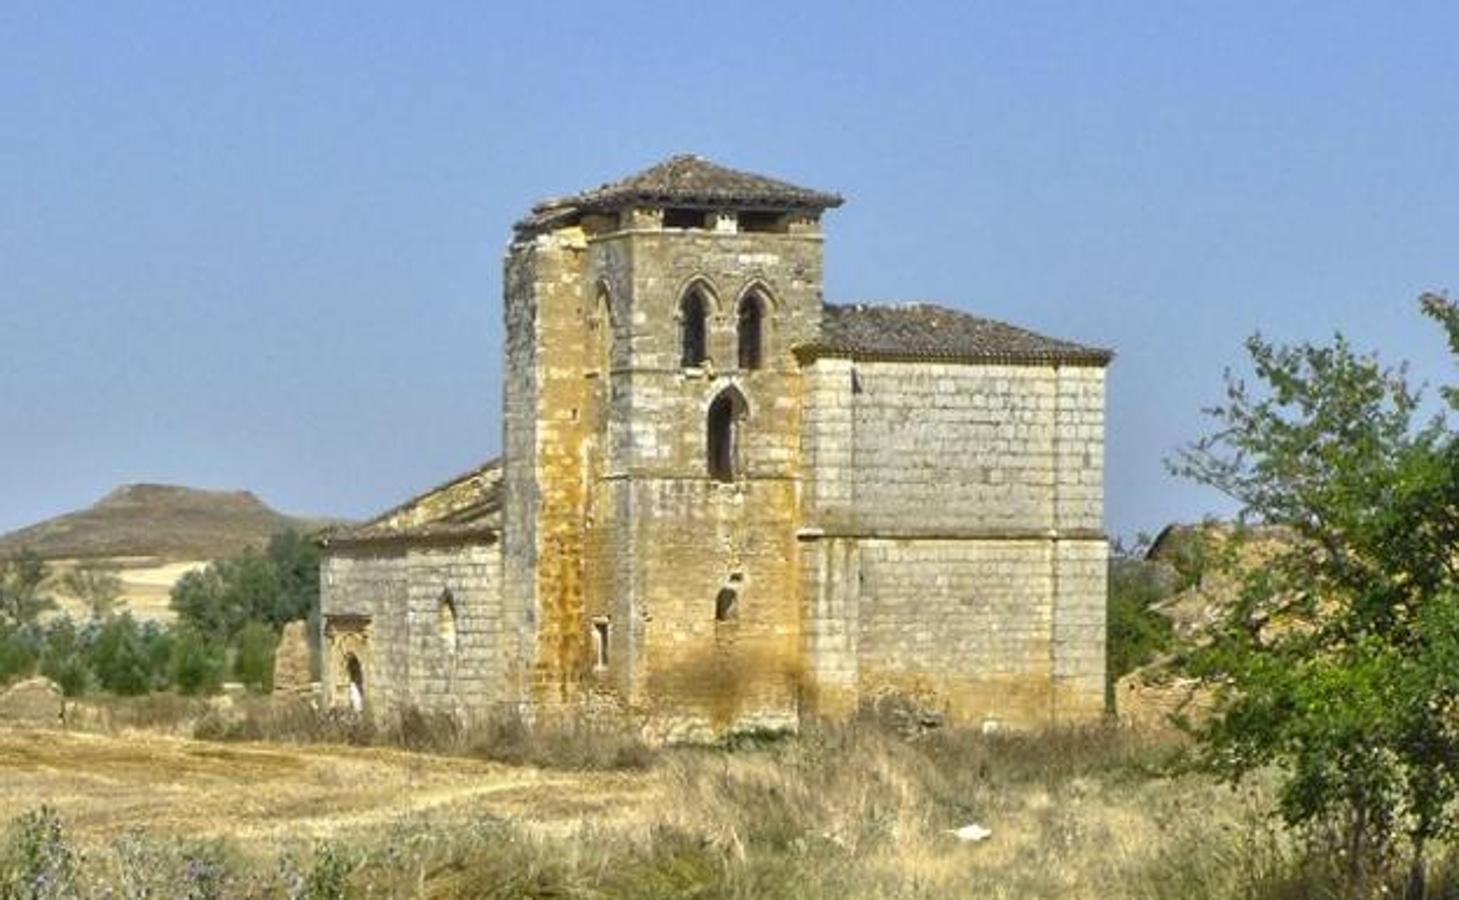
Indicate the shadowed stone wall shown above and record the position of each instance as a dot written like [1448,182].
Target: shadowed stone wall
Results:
[384,604]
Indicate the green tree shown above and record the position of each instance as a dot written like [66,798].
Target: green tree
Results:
[22,577]
[255,663]
[197,661]
[1339,662]
[296,561]
[96,584]
[277,586]
[1136,632]
[121,658]
[63,657]
[20,651]
[157,643]
[200,599]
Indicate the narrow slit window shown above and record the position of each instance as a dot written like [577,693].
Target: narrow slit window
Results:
[600,644]
[751,332]
[447,621]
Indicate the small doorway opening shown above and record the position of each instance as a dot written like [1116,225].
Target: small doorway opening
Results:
[356,674]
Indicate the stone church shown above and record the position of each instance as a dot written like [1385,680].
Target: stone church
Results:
[725,503]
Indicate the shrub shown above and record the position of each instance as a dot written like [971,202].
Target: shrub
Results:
[255,664]
[20,650]
[1136,633]
[38,862]
[64,657]
[197,663]
[121,659]
[328,875]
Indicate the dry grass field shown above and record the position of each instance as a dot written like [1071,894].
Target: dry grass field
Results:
[263,796]
[845,813]
[146,585]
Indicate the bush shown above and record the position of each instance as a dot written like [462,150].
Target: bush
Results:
[255,664]
[64,657]
[1136,632]
[20,651]
[122,661]
[37,862]
[197,663]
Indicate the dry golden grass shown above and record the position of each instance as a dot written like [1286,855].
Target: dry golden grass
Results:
[146,585]
[841,812]
[259,795]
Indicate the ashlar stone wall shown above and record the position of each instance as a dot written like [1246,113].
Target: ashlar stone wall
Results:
[384,603]
[671,538]
[953,547]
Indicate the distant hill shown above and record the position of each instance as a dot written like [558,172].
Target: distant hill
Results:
[160,521]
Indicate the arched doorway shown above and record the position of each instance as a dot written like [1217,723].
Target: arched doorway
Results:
[356,674]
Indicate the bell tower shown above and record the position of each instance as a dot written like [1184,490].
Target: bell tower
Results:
[652,431]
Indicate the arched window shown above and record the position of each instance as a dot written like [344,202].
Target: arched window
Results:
[693,313]
[751,331]
[726,605]
[601,327]
[600,643]
[726,414]
[448,621]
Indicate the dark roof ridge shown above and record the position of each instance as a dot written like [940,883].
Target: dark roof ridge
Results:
[926,330]
[691,179]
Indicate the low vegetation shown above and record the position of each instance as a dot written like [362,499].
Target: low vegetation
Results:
[228,618]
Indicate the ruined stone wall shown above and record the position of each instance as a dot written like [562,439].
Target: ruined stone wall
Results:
[954,548]
[390,597]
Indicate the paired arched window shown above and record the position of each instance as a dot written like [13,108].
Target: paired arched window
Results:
[751,319]
[751,331]
[726,416]
[693,328]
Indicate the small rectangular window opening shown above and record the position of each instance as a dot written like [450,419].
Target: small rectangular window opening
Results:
[600,644]
[684,218]
[762,221]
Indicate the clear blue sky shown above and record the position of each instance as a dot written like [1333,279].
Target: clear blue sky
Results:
[258,245]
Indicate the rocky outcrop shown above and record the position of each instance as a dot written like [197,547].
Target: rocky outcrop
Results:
[34,701]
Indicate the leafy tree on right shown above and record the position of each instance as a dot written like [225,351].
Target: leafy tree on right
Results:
[1339,663]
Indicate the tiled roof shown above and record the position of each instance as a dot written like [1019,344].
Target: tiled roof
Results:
[689,180]
[468,506]
[928,331]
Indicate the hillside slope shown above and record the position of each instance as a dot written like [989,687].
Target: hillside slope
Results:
[158,521]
